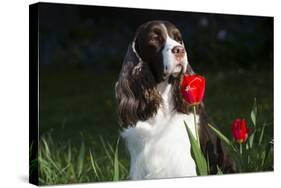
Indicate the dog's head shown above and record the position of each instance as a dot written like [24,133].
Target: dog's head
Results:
[160,45]
[157,54]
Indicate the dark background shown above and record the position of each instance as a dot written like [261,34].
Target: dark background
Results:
[81,49]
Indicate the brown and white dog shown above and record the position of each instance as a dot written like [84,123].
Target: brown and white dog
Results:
[152,110]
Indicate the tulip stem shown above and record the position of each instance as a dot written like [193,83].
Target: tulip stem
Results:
[196,127]
[241,151]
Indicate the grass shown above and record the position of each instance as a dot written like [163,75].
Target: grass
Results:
[63,164]
[79,129]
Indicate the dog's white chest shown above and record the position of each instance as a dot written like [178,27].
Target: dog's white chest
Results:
[160,147]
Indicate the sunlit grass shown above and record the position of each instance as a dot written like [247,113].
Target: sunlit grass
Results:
[64,164]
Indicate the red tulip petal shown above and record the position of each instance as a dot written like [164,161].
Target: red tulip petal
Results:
[239,130]
[193,88]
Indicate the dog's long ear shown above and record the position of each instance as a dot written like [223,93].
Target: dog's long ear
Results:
[189,70]
[136,93]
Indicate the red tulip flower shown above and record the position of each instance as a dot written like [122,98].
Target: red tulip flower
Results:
[193,88]
[239,130]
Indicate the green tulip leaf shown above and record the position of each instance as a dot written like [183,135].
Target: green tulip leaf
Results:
[198,156]
[254,113]
[251,139]
[261,135]
[220,135]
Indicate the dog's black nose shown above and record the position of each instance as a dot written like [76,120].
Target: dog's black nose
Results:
[178,51]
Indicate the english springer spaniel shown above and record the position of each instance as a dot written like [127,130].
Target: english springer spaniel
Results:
[152,111]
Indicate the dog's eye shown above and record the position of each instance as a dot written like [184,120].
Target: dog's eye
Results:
[177,37]
[179,40]
[155,38]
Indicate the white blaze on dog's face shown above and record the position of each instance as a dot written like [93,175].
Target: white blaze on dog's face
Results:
[174,56]
[160,45]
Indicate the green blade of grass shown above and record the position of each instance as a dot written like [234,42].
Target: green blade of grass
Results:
[94,167]
[219,171]
[66,167]
[81,159]
[268,149]
[107,152]
[46,147]
[69,154]
[47,154]
[116,163]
